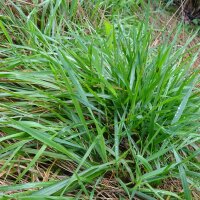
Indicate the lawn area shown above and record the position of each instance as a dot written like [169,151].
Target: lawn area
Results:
[99,99]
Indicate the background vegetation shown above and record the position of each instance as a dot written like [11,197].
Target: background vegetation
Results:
[98,100]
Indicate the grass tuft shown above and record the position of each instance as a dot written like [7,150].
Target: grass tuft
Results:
[91,107]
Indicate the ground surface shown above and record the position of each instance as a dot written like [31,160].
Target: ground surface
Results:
[98,100]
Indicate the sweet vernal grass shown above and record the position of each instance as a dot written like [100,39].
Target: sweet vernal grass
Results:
[86,95]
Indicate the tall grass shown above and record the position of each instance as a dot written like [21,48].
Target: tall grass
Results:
[87,98]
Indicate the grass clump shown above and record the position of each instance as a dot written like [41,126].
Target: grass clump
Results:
[91,108]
